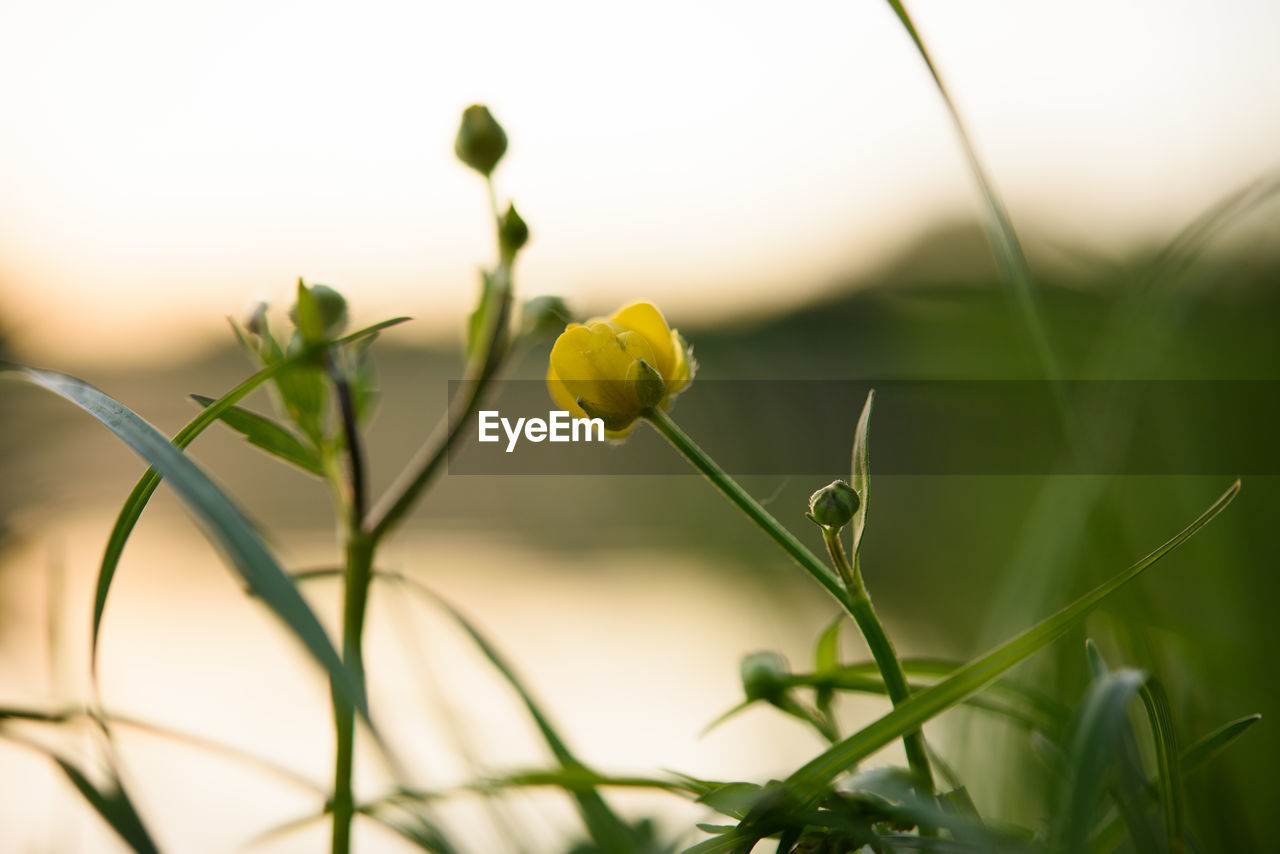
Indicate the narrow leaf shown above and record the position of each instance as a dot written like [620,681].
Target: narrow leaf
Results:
[1168,761]
[860,479]
[146,486]
[1217,741]
[112,803]
[1006,247]
[1103,718]
[920,708]
[224,523]
[607,830]
[268,435]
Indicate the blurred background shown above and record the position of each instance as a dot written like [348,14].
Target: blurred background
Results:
[789,188]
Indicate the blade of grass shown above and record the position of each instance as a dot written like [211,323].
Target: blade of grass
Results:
[605,827]
[1103,719]
[607,830]
[224,523]
[921,707]
[1215,742]
[111,802]
[1193,758]
[1168,760]
[1005,244]
[69,715]
[115,807]
[146,486]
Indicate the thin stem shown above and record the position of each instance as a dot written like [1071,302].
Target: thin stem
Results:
[847,588]
[735,493]
[886,657]
[482,367]
[351,435]
[359,571]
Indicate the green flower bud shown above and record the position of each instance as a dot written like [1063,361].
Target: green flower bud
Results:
[481,141]
[765,676]
[320,312]
[648,384]
[545,314]
[513,231]
[834,505]
[256,322]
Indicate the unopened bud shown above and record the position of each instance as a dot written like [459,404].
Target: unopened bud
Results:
[545,314]
[765,676]
[319,313]
[481,141]
[648,384]
[256,322]
[513,232]
[834,505]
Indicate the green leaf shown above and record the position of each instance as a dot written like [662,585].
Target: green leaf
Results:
[607,830]
[307,316]
[479,319]
[303,385]
[413,826]
[1191,759]
[920,708]
[733,799]
[1103,719]
[113,804]
[826,658]
[269,436]
[146,486]
[224,523]
[1217,741]
[860,478]
[1005,245]
[1168,760]
[826,652]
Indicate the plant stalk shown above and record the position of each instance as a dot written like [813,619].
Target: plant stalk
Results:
[858,604]
[739,496]
[358,573]
[480,370]
[847,588]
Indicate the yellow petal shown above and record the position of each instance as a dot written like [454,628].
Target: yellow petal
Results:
[591,364]
[644,318]
[682,370]
[560,394]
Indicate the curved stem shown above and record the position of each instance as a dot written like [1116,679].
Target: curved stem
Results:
[739,496]
[847,589]
[481,368]
[359,572]
[886,657]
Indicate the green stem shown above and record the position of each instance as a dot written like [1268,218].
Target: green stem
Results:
[481,368]
[359,571]
[735,493]
[847,589]
[886,657]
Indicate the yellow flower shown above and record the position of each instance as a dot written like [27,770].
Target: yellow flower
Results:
[616,367]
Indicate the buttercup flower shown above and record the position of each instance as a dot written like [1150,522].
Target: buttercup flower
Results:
[614,368]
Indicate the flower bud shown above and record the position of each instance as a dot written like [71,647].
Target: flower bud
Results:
[544,314]
[481,141]
[513,232]
[319,313]
[765,676]
[256,322]
[647,383]
[834,505]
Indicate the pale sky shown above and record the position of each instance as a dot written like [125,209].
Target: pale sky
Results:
[163,164]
